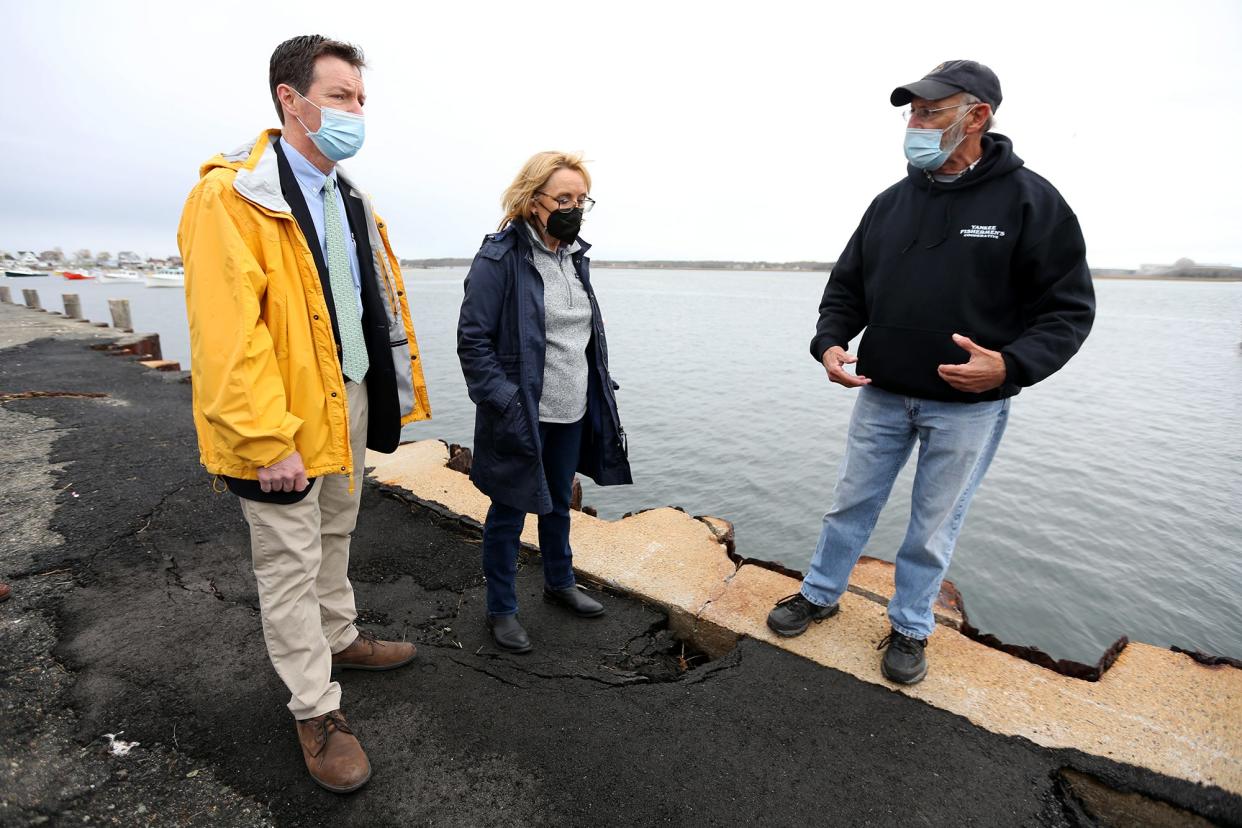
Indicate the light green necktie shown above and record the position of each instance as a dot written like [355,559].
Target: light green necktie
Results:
[354,360]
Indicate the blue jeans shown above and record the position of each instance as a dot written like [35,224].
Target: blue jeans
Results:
[502,531]
[957,442]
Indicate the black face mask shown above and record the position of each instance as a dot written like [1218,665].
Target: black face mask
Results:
[564,226]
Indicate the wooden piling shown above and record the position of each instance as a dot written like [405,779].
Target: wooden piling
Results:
[73,305]
[32,298]
[6,296]
[121,318]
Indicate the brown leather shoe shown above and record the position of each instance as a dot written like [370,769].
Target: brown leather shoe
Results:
[332,753]
[369,653]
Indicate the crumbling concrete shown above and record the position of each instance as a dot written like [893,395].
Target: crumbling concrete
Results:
[134,614]
[1154,708]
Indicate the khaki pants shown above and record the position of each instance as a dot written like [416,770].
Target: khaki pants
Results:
[301,562]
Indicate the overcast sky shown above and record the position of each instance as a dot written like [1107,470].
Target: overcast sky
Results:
[714,130]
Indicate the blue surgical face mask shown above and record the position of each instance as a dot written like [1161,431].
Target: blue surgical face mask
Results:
[340,134]
[923,148]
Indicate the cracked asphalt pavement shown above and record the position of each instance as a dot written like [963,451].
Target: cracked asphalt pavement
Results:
[135,614]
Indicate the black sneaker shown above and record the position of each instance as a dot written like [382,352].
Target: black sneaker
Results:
[904,660]
[791,616]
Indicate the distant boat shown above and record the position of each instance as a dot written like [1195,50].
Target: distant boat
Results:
[120,277]
[74,276]
[17,274]
[167,277]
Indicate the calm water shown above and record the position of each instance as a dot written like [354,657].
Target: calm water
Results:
[1114,506]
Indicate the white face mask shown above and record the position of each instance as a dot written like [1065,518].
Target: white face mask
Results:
[340,134]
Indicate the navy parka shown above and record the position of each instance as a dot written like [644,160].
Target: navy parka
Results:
[501,342]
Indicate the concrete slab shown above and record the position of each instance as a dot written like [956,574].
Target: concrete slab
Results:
[873,578]
[160,364]
[662,556]
[1154,708]
[19,325]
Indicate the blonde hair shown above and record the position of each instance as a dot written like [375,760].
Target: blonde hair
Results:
[534,174]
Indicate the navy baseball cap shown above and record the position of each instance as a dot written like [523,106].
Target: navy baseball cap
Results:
[949,78]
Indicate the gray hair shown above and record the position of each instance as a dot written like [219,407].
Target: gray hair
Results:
[968,98]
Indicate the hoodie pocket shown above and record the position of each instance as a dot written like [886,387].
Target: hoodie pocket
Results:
[905,360]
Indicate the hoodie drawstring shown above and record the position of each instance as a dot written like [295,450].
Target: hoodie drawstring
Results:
[948,221]
[918,224]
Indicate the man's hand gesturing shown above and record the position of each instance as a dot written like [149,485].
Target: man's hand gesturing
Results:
[984,371]
[835,360]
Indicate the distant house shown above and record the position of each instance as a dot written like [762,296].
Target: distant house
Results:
[27,258]
[1186,268]
[128,258]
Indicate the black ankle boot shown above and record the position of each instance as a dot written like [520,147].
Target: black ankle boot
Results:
[576,600]
[509,634]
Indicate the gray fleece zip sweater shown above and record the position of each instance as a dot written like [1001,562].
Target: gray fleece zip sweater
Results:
[567,319]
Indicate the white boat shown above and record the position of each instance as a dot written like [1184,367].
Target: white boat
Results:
[17,274]
[120,277]
[167,277]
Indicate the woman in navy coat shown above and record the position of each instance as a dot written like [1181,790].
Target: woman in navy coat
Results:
[532,349]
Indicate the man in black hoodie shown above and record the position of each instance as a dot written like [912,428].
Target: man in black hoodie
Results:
[970,277]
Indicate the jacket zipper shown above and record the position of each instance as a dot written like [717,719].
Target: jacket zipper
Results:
[349,454]
[602,370]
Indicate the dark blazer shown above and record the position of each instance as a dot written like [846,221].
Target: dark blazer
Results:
[384,418]
[501,342]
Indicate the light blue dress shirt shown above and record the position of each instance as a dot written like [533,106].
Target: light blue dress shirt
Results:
[311,180]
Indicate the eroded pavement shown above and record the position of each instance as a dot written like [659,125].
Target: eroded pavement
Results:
[135,614]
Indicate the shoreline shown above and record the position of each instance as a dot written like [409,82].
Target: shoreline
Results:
[130,545]
[1136,278]
[723,267]
[755,268]
[1200,633]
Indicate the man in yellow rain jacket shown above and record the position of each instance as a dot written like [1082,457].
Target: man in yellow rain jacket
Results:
[302,357]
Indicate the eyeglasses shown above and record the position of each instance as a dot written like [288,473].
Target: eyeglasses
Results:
[564,203]
[923,113]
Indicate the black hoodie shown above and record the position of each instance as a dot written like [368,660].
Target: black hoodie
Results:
[996,255]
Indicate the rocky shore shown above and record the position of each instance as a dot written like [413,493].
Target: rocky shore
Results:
[135,688]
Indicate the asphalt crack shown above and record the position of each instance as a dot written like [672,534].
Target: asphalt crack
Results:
[489,673]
